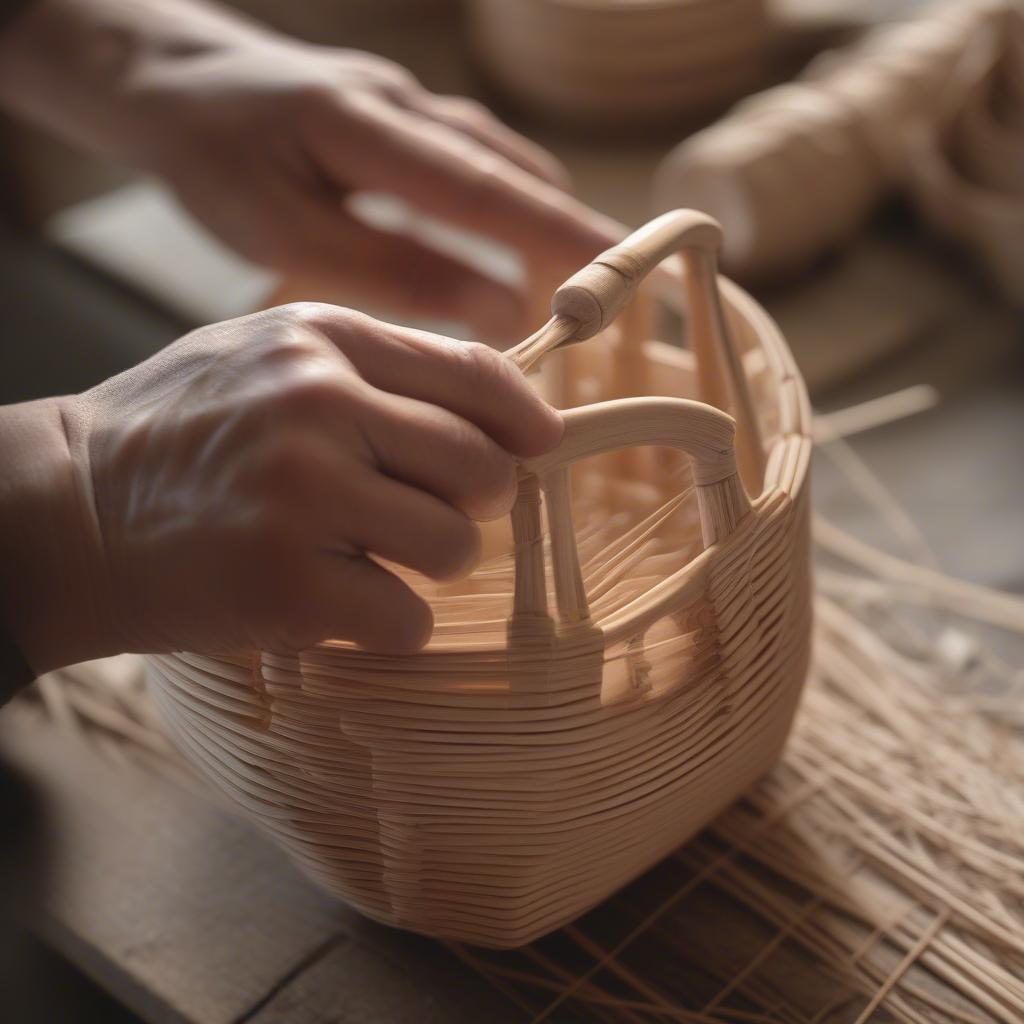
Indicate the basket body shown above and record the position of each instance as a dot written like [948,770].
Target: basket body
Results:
[494,791]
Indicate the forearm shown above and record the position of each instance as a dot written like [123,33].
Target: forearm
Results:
[51,585]
[73,65]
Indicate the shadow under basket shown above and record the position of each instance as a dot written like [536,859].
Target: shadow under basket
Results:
[625,661]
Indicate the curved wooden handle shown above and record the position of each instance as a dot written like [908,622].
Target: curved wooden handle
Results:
[703,432]
[595,295]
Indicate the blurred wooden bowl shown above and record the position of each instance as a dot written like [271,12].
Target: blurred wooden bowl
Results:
[621,62]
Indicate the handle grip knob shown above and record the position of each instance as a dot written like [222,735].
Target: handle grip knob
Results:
[595,295]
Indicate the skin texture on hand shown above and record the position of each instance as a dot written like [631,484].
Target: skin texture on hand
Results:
[229,492]
[264,138]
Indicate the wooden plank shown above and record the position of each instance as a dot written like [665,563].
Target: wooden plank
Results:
[176,907]
[188,916]
[386,977]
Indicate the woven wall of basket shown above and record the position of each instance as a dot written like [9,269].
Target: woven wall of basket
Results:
[621,62]
[624,663]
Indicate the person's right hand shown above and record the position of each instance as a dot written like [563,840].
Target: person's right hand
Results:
[242,478]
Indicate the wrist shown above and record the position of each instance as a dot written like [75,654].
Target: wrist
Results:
[52,577]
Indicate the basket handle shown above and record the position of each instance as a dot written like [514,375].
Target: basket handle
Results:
[593,297]
[706,434]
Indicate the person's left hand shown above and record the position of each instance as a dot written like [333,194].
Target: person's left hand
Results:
[264,138]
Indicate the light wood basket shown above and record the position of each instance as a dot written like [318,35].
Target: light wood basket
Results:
[626,661]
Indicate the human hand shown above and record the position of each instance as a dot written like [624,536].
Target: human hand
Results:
[242,478]
[264,138]
[264,143]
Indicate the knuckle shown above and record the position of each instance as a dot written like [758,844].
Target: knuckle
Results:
[313,391]
[488,373]
[479,365]
[320,325]
[393,74]
[469,110]
[307,314]
[287,468]
[305,381]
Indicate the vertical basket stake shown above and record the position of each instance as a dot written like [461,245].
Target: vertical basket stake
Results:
[719,369]
[573,606]
[530,600]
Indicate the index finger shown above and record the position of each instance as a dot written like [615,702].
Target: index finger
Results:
[469,379]
[446,174]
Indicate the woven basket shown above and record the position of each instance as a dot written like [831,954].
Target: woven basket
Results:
[624,663]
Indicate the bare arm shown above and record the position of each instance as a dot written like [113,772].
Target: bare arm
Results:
[48,614]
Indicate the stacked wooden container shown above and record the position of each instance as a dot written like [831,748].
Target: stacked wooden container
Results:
[621,62]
